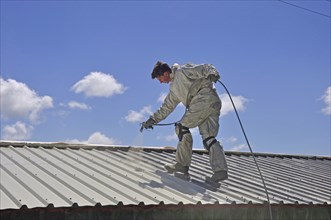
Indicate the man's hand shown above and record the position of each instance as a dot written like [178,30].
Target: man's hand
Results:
[147,124]
[214,78]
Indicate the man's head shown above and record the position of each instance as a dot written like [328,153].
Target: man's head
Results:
[162,72]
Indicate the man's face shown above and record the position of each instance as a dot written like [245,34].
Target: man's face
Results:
[165,78]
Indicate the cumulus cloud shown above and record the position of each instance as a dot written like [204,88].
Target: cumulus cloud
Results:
[78,105]
[327,100]
[170,137]
[96,138]
[233,145]
[239,147]
[17,132]
[98,84]
[239,102]
[138,116]
[18,101]
[231,140]
[99,138]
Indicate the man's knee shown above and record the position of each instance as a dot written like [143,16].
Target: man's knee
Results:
[181,131]
[208,142]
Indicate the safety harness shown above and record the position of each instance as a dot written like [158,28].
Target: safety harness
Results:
[205,142]
[182,130]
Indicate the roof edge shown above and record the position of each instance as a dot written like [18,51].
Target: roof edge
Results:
[141,206]
[4,143]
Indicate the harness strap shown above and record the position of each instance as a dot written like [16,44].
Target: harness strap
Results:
[205,142]
[182,130]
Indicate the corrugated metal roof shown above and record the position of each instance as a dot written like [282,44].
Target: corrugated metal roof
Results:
[41,174]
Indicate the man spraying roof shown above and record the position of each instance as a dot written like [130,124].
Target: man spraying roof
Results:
[192,85]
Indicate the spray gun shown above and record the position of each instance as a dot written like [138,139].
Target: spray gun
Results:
[145,126]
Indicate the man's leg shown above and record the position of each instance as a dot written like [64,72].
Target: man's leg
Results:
[192,118]
[184,151]
[184,146]
[208,130]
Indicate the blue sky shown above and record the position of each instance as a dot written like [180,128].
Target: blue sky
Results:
[79,71]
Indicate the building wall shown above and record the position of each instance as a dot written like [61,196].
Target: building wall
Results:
[176,212]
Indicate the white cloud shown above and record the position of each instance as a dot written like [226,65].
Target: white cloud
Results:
[170,137]
[231,143]
[17,132]
[231,140]
[96,138]
[139,116]
[79,105]
[239,102]
[18,101]
[99,138]
[327,100]
[239,147]
[98,84]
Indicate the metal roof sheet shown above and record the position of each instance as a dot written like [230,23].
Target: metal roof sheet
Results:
[41,174]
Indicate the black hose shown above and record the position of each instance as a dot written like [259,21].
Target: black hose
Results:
[250,148]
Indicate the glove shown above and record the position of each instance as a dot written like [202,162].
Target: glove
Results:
[147,124]
[214,78]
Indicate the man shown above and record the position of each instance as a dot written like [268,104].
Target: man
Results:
[192,85]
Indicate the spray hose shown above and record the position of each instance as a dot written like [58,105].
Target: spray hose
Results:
[250,148]
[243,130]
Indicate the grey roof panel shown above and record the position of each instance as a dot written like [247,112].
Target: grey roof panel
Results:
[40,174]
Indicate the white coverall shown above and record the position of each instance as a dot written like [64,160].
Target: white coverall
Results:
[192,85]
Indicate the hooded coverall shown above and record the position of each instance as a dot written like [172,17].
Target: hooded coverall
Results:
[192,85]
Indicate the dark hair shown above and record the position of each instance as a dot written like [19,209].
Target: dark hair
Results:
[160,68]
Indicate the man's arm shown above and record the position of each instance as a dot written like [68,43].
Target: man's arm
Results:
[168,106]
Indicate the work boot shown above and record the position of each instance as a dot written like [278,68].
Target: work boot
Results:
[217,177]
[177,167]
